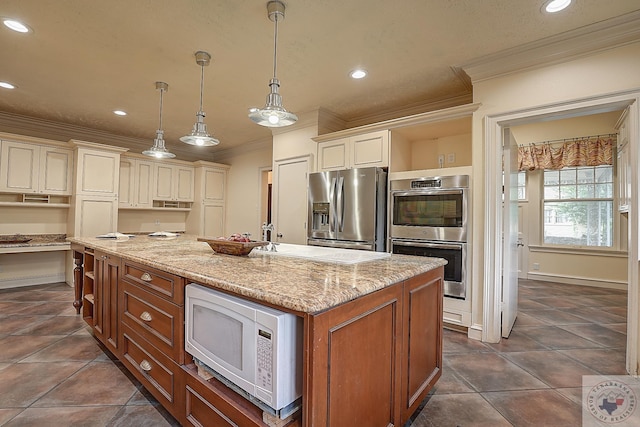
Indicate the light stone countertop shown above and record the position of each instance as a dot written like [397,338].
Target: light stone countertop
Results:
[37,243]
[297,284]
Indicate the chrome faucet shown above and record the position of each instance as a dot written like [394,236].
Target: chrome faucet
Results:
[265,229]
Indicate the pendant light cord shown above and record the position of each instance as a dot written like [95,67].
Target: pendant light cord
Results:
[201,84]
[275,44]
[161,92]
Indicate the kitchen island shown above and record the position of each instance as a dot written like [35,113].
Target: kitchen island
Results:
[372,330]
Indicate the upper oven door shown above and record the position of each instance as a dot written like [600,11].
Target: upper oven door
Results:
[429,214]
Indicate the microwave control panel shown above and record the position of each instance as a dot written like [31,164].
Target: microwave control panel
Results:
[264,360]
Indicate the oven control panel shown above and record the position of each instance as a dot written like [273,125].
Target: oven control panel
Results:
[426,183]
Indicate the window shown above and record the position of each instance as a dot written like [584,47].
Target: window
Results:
[578,206]
[522,185]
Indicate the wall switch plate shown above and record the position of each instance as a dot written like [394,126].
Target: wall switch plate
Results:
[536,266]
[441,160]
[451,158]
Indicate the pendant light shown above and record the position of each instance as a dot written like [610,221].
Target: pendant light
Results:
[158,150]
[199,135]
[273,114]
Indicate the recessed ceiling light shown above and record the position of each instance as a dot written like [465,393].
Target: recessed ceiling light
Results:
[119,113]
[16,25]
[358,74]
[554,6]
[7,85]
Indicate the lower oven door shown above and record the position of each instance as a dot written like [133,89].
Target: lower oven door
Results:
[455,283]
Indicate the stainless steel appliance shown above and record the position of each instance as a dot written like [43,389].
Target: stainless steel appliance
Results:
[430,208]
[347,209]
[455,274]
[429,218]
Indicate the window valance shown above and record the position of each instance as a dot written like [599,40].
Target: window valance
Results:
[590,151]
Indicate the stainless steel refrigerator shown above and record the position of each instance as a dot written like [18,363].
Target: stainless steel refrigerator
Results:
[347,209]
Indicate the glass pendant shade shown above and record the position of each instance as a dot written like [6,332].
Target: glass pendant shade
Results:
[158,150]
[273,113]
[199,135]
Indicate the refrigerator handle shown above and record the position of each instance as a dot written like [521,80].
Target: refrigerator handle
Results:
[340,204]
[332,206]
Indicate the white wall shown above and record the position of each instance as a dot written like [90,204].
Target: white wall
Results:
[244,190]
[603,73]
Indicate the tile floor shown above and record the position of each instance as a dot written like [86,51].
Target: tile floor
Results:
[53,372]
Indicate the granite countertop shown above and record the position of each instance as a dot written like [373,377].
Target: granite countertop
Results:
[34,242]
[297,284]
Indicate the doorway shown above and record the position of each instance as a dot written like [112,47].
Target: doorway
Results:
[266,191]
[574,237]
[494,127]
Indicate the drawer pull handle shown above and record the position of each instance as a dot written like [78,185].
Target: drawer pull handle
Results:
[146,277]
[145,365]
[146,316]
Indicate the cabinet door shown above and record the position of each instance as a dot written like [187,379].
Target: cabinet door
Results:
[105,313]
[143,180]
[163,182]
[184,183]
[126,187]
[100,293]
[94,216]
[97,173]
[214,185]
[56,167]
[356,388]
[19,167]
[371,149]
[333,155]
[422,338]
[213,220]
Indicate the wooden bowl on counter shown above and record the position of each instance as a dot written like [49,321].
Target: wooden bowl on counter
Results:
[229,247]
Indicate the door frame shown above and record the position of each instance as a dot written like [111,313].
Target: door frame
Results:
[493,212]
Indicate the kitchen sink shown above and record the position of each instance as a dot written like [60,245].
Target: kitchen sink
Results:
[322,254]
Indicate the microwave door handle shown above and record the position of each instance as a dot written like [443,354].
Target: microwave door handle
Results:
[429,245]
[340,200]
[332,206]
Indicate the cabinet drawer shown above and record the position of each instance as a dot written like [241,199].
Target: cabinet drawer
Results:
[155,281]
[155,319]
[159,374]
[210,403]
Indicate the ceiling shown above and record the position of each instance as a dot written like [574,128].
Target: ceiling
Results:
[88,58]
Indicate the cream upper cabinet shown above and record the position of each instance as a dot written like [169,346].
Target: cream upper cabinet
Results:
[30,168]
[94,207]
[173,182]
[136,178]
[98,172]
[207,216]
[370,149]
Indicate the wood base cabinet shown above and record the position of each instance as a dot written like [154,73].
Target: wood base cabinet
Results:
[368,362]
[373,360]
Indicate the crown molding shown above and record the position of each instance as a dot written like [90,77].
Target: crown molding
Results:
[587,40]
[58,131]
[445,114]
[411,109]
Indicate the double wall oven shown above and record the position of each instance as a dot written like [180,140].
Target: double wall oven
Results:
[429,218]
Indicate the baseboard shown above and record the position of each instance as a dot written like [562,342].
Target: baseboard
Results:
[475,332]
[576,280]
[31,281]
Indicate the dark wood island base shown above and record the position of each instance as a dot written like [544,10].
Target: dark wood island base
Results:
[368,361]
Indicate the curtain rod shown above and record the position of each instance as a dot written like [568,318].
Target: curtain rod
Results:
[575,138]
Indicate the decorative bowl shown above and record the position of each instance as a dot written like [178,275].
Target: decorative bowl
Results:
[229,247]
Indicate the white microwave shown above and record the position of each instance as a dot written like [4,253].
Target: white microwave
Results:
[256,348]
